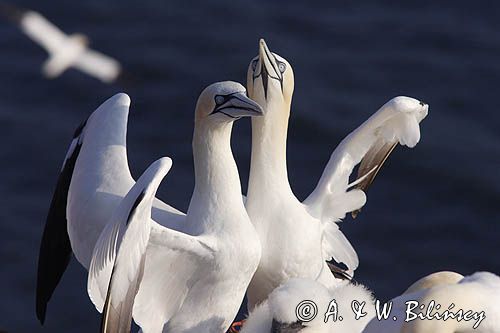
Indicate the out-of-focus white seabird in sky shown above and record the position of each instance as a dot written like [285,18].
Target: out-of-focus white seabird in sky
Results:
[64,50]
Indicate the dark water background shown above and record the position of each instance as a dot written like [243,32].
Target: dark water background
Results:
[432,208]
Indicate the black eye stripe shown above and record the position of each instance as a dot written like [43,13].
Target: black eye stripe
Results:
[265,74]
[254,64]
[219,99]
[223,99]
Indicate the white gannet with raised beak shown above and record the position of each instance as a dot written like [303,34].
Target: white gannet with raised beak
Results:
[298,238]
[469,303]
[65,51]
[95,178]
[290,307]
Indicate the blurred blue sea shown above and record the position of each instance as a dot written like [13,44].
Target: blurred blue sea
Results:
[435,207]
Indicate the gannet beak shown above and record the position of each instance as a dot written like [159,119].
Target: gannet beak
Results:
[279,327]
[238,105]
[268,65]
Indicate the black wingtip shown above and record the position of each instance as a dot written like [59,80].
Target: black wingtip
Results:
[11,12]
[40,312]
[339,270]
[55,247]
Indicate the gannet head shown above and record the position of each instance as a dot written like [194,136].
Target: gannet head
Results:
[434,279]
[225,102]
[81,39]
[294,304]
[270,78]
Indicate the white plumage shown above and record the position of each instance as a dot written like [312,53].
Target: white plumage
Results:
[180,286]
[478,292]
[189,278]
[299,237]
[278,313]
[129,231]
[67,51]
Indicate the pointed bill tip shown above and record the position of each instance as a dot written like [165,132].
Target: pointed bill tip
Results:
[12,13]
[263,47]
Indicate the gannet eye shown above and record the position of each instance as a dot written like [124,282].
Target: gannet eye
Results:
[219,99]
[254,64]
[282,67]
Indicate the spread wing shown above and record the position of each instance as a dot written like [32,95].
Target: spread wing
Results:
[55,248]
[40,30]
[370,144]
[119,267]
[175,262]
[99,65]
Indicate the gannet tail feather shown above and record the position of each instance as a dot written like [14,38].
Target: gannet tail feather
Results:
[128,239]
[55,248]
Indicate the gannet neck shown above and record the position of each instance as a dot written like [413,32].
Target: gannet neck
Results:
[268,168]
[217,184]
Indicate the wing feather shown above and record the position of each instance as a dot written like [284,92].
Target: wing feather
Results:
[99,65]
[40,30]
[55,248]
[370,144]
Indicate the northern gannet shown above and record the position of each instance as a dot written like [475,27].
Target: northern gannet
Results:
[65,51]
[470,304]
[95,178]
[290,307]
[298,238]
[434,279]
[477,293]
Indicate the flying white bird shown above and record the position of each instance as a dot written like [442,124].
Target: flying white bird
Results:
[469,304]
[298,238]
[179,269]
[65,51]
[302,306]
